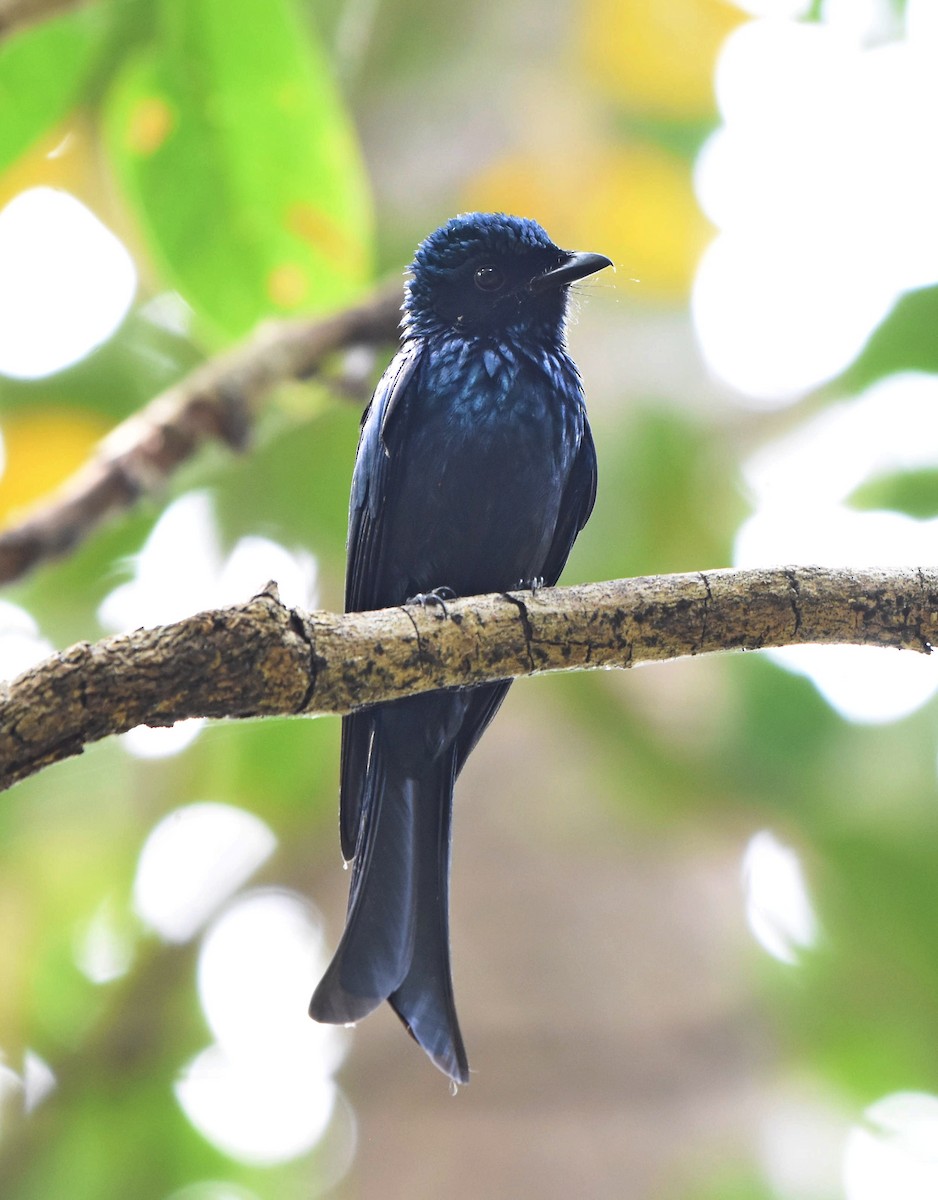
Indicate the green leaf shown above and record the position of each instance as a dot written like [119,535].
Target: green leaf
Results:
[233,145]
[905,341]
[41,76]
[911,492]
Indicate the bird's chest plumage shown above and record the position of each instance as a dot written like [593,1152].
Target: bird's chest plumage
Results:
[491,435]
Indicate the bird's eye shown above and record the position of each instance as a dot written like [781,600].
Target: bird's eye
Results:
[489,279]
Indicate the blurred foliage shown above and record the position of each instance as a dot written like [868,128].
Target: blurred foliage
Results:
[219,141]
[243,114]
[911,492]
[902,343]
[59,53]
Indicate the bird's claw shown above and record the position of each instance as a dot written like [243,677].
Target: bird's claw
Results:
[435,598]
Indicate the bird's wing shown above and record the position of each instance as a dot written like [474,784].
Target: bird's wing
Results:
[375,466]
[577,504]
[579,495]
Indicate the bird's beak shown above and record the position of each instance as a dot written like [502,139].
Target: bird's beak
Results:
[575,266]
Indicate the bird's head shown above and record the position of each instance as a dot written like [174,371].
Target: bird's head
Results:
[485,274]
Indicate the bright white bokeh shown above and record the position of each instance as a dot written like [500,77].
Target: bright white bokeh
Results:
[22,1094]
[169,311]
[894,1154]
[66,283]
[176,572]
[823,191]
[145,741]
[825,459]
[181,570]
[774,8]
[866,685]
[264,1091]
[193,860]
[921,21]
[21,644]
[778,908]
[213,1189]
[801,1143]
[39,1081]
[773,343]
[800,485]
[104,948]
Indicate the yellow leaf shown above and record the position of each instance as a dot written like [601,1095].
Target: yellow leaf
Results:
[656,56]
[41,449]
[151,123]
[287,286]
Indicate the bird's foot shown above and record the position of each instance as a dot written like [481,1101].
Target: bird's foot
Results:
[531,585]
[436,598]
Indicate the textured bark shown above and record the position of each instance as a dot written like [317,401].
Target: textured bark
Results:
[263,659]
[217,401]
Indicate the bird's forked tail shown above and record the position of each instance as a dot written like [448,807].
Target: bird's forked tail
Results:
[396,941]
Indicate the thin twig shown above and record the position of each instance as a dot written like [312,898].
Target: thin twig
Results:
[217,401]
[263,659]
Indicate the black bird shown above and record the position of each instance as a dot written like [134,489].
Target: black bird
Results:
[475,473]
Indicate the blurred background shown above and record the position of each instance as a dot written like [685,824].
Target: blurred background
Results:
[695,909]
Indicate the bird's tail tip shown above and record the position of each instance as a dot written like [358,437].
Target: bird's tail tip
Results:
[440,1040]
[332,1004]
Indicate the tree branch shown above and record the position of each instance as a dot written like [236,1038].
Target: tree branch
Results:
[19,14]
[216,401]
[263,659]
